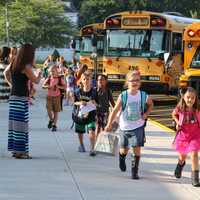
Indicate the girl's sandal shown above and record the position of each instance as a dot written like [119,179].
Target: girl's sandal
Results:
[22,156]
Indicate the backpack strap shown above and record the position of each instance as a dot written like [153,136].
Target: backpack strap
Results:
[124,96]
[77,93]
[48,80]
[197,118]
[60,80]
[143,101]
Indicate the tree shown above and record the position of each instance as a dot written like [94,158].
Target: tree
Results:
[3,2]
[77,3]
[92,11]
[40,22]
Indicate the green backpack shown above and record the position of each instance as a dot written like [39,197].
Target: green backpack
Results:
[124,97]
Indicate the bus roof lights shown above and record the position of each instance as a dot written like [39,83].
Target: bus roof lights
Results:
[153,22]
[160,22]
[113,22]
[87,30]
[157,21]
[191,33]
[116,21]
[109,22]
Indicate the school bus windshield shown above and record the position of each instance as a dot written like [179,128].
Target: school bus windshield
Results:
[139,43]
[87,48]
[196,59]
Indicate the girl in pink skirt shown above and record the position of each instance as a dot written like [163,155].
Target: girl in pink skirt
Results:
[187,140]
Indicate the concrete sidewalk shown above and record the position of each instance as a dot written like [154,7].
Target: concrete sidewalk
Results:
[58,172]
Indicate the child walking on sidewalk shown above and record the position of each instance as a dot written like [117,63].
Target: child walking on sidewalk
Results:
[105,99]
[187,140]
[53,83]
[70,86]
[131,103]
[84,97]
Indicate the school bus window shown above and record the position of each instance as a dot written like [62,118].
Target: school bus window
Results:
[77,45]
[196,59]
[177,42]
[140,43]
[86,45]
[100,46]
[156,40]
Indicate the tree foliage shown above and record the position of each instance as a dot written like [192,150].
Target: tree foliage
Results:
[40,22]
[97,10]
[77,3]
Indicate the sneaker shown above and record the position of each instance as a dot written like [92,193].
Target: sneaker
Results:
[54,128]
[92,153]
[81,148]
[50,124]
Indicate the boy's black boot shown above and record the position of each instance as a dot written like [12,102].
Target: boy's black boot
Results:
[135,167]
[122,162]
[179,169]
[195,178]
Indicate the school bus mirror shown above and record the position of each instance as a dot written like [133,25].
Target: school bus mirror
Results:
[73,44]
[166,57]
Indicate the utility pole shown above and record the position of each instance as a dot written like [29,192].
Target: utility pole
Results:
[7,25]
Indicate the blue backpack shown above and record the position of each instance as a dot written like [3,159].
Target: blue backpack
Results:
[124,97]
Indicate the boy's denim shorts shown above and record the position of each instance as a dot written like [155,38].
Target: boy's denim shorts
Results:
[132,138]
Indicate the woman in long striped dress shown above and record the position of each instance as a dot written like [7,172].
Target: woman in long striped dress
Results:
[18,74]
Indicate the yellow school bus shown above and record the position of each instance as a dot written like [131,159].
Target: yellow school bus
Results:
[191,74]
[92,43]
[142,39]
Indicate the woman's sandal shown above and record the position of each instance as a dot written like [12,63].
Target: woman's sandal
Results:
[13,154]
[22,156]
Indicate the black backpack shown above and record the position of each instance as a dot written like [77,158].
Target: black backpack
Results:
[83,119]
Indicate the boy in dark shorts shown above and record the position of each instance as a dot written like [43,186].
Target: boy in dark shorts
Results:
[86,96]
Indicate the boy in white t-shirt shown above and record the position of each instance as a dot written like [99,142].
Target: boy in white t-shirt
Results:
[131,103]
